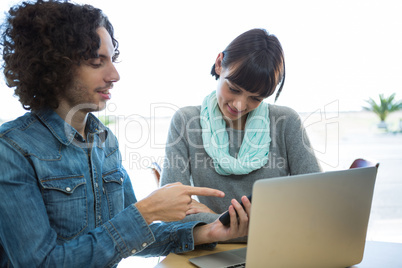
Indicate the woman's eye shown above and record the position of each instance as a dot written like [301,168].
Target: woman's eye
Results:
[233,90]
[257,99]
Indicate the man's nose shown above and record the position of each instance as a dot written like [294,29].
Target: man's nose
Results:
[113,75]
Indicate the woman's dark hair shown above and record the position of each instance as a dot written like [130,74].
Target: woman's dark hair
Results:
[258,60]
[43,43]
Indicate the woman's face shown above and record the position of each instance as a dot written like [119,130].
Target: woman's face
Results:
[233,101]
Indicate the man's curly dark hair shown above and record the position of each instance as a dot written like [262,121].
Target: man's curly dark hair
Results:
[43,43]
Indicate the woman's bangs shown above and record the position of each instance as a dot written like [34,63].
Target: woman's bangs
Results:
[250,76]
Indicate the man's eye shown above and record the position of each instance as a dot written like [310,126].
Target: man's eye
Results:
[95,63]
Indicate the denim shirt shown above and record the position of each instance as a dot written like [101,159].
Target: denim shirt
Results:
[68,202]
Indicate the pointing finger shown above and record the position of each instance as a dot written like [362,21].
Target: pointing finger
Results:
[204,191]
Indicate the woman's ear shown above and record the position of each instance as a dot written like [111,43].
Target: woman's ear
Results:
[218,64]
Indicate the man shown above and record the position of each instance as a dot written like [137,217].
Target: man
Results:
[66,199]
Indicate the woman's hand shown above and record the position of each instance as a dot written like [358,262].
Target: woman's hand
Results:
[216,231]
[197,207]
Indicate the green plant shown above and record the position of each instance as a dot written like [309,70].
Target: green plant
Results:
[386,106]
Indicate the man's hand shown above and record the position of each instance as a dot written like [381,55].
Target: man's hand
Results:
[171,202]
[216,231]
[197,207]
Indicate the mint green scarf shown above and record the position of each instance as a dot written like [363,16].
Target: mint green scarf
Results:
[253,153]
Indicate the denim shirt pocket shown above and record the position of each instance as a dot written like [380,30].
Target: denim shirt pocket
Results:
[113,183]
[66,204]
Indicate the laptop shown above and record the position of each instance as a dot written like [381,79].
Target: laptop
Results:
[310,220]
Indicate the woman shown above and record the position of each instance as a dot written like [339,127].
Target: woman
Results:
[234,138]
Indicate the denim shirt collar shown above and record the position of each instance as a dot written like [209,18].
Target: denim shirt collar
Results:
[64,132]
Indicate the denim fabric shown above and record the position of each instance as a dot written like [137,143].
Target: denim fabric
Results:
[67,201]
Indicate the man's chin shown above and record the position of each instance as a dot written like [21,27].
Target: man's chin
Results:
[87,108]
[100,107]
[96,107]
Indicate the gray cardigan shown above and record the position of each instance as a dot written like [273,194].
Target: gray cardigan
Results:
[187,162]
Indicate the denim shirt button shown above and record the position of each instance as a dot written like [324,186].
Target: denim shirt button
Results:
[68,189]
[133,251]
[144,244]
[121,179]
